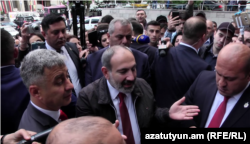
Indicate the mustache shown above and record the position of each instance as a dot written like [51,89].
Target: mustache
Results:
[128,82]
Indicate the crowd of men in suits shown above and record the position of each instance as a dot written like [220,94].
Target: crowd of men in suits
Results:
[203,82]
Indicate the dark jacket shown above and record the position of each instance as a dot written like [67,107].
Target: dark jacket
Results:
[202,93]
[95,100]
[204,50]
[147,49]
[14,99]
[175,73]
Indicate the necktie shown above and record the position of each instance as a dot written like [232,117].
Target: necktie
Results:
[219,114]
[126,124]
[63,116]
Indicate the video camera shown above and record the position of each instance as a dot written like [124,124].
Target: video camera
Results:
[33,28]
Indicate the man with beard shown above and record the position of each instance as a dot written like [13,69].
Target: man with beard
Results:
[119,95]
[222,37]
[54,32]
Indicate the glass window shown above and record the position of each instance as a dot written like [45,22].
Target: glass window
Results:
[46,10]
[87,21]
[93,21]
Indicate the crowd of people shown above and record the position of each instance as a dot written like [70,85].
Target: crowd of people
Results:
[123,86]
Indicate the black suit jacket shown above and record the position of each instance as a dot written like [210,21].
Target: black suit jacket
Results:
[175,73]
[202,93]
[147,49]
[94,65]
[35,120]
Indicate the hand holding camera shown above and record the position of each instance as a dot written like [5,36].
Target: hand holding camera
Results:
[173,21]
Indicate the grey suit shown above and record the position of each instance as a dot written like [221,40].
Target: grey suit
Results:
[35,120]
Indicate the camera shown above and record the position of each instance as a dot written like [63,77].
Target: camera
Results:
[33,28]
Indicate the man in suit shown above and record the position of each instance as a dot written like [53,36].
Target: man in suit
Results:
[120,95]
[145,48]
[119,33]
[225,89]
[85,130]
[54,32]
[14,95]
[174,73]
[46,76]
[222,37]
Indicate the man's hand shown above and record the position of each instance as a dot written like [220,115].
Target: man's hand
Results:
[172,22]
[19,135]
[168,43]
[91,48]
[116,124]
[183,112]
[84,52]
[25,36]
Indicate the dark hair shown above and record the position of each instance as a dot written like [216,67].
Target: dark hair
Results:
[7,47]
[39,35]
[175,37]
[137,28]
[141,10]
[154,23]
[214,23]
[106,19]
[163,25]
[193,30]
[131,19]
[70,37]
[17,35]
[51,19]
[183,16]
[101,30]
[161,19]
[247,29]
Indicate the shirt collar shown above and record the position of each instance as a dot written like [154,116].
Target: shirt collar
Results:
[51,48]
[189,46]
[53,114]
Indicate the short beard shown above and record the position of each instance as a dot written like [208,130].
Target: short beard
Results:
[119,86]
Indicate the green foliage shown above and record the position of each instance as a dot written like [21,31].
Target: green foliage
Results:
[185,1]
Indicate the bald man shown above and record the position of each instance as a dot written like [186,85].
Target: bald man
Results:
[210,32]
[225,89]
[85,130]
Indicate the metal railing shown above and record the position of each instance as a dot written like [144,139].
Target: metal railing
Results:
[223,7]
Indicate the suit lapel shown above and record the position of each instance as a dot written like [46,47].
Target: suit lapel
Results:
[208,102]
[239,109]
[40,117]
[72,55]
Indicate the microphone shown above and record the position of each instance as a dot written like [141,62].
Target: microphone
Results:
[40,137]
[141,39]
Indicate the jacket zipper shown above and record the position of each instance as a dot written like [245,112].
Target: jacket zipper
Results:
[115,111]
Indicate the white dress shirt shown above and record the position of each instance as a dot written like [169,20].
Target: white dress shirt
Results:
[181,43]
[131,111]
[53,114]
[71,68]
[230,105]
